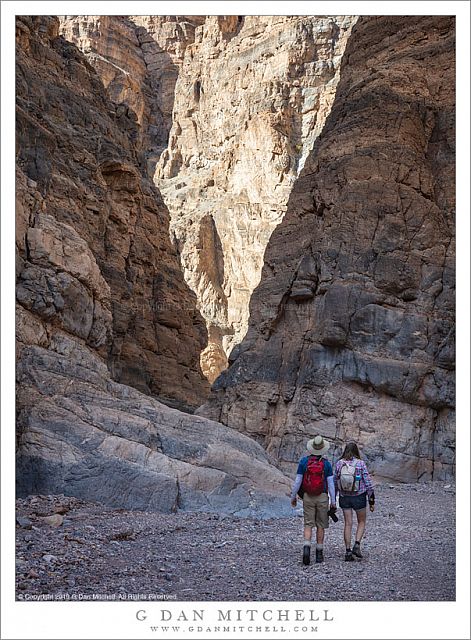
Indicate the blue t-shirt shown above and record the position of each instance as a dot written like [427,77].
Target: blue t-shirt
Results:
[302,466]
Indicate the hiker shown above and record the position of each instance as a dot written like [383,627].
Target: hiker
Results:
[313,481]
[353,483]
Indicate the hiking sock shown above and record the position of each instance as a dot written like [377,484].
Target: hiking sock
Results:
[307,552]
[319,545]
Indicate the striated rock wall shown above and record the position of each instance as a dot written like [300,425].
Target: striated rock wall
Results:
[252,95]
[352,326]
[99,284]
[138,60]
[94,255]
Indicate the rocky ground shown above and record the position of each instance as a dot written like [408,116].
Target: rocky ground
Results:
[70,549]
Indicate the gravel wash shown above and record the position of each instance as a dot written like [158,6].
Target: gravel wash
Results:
[67,549]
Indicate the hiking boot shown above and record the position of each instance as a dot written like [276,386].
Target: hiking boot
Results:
[306,554]
[319,555]
[356,550]
[349,556]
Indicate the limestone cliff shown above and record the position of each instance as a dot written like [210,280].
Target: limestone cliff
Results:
[99,289]
[251,97]
[352,326]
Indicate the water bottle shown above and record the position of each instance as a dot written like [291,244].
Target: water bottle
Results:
[357,478]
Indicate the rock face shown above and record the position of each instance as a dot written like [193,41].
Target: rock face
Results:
[100,289]
[352,326]
[84,435]
[249,96]
[252,95]
[94,255]
[137,59]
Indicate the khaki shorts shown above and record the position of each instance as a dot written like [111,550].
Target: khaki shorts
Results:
[316,510]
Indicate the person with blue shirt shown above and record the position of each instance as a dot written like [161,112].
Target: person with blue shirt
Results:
[314,484]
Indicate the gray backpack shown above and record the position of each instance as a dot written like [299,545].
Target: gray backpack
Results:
[348,481]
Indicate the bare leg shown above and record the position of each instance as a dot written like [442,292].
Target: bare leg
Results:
[361,523]
[347,531]
[320,535]
[307,532]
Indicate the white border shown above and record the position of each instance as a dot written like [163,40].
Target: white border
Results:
[113,620]
[243,7]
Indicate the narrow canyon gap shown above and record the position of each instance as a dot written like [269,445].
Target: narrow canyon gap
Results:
[242,99]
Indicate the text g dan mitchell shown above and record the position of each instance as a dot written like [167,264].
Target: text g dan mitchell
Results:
[237,615]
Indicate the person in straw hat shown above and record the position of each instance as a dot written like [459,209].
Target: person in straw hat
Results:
[315,485]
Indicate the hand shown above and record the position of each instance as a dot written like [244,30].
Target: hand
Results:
[293,502]
[333,507]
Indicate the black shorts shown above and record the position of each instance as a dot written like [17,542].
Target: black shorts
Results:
[353,502]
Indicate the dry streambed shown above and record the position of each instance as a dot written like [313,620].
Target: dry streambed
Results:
[69,549]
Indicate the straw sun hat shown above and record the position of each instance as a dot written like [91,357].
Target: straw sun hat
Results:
[318,446]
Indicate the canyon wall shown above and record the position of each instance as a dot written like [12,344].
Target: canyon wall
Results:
[252,95]
[351,329]
[79,151]
[101,301]
[138,60]
[249,96]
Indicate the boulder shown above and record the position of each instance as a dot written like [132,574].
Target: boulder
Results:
[82,434]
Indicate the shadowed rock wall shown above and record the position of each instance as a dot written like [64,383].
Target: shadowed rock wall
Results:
[94,255]
[138,59]
[352,326]
[239,100]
